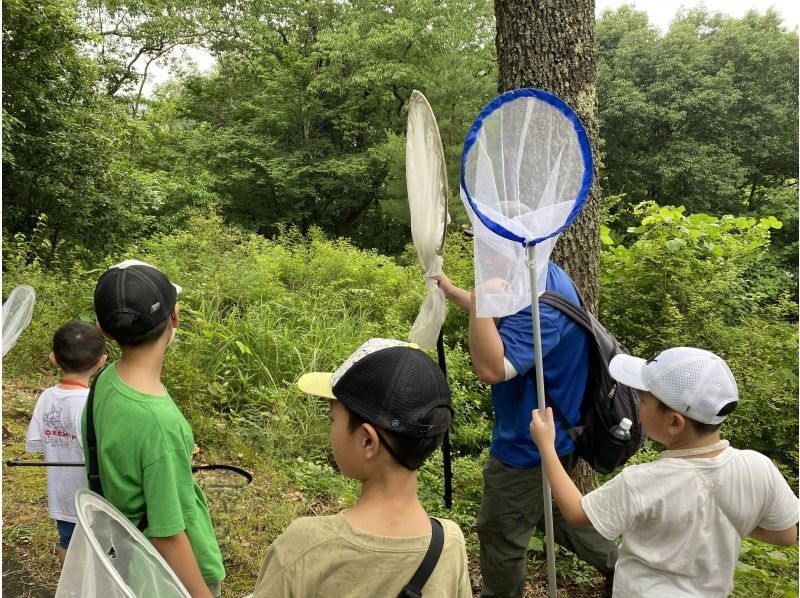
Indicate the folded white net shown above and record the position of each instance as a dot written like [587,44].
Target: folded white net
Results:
[426,181]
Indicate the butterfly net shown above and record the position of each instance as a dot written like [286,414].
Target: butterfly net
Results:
[426,181]
[224,488]
[526,170]
[17,312]
[109,557]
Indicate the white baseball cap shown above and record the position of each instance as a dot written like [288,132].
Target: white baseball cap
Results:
[694,382]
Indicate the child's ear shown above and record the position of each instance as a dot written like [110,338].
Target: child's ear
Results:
[677,424]
[175,316]
[101,362]
[53,359]
[369,440]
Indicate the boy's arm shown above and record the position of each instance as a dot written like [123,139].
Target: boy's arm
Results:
[564,489]
[785,537]
[177,551]
[485,345]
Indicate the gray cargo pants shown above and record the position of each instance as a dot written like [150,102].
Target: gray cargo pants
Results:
[511,507]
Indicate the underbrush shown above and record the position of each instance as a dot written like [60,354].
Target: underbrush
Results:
[256,314]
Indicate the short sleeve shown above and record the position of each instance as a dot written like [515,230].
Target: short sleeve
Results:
[272,580]
[168,493]
[464,583]
[33,438]
[516,332]
[782,511]
[78,427]
[612,508]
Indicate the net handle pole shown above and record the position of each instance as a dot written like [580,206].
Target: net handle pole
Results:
[552,591]
[44,464]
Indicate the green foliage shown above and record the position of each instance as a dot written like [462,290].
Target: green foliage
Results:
[764,569]
[302,121]
[688,280]
[704,113]
[129,36]
[65,146]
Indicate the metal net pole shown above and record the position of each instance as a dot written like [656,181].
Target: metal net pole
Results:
[547,496]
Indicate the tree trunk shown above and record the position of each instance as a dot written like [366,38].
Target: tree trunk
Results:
[550,45]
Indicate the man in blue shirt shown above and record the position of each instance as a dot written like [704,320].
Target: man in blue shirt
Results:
[512,505]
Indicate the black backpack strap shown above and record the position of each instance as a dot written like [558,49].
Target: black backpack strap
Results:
[93,466]
[413,589]
[577,313]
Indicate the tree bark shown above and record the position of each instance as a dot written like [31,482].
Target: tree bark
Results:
[550,45]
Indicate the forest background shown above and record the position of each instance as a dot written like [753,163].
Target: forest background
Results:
[273,190]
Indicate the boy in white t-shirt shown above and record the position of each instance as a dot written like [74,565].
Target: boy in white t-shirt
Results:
[681,517]
[79,350]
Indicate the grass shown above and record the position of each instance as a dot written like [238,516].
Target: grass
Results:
[255,315]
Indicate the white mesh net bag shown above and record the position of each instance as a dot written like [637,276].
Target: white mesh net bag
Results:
[17,313]
[426,181]
[109,557]
[526,171]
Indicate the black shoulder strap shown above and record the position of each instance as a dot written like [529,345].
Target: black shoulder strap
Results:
[413,588]
[577,313]
[93,467]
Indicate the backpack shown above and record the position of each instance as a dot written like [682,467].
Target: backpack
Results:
[605,401]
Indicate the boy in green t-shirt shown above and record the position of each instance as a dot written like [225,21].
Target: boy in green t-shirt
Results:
[144,444]
[390,405]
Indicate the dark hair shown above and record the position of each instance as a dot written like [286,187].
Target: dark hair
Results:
[409,451]
[700,428]
[77,346]
[135,339]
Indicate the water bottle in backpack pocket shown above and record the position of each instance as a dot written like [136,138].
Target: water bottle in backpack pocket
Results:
[622,431]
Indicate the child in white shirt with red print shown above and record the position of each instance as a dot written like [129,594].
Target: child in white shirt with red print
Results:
[79,351]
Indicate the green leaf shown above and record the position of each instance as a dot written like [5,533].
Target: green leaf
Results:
[771,222]
[776,557]
[536,544]
[675,244]
[605,235]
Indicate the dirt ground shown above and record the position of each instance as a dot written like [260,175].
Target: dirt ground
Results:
[17,581]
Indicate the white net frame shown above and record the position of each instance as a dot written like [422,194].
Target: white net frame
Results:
[109,557]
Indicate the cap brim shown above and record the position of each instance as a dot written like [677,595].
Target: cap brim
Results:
[317,383]
[627,370]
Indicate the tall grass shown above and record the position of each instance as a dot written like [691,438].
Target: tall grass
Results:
[255,315]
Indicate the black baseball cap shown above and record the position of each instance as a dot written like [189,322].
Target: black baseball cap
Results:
[132,298]
[391,384]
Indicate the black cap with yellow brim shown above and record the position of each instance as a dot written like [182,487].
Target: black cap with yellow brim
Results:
[389,383]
